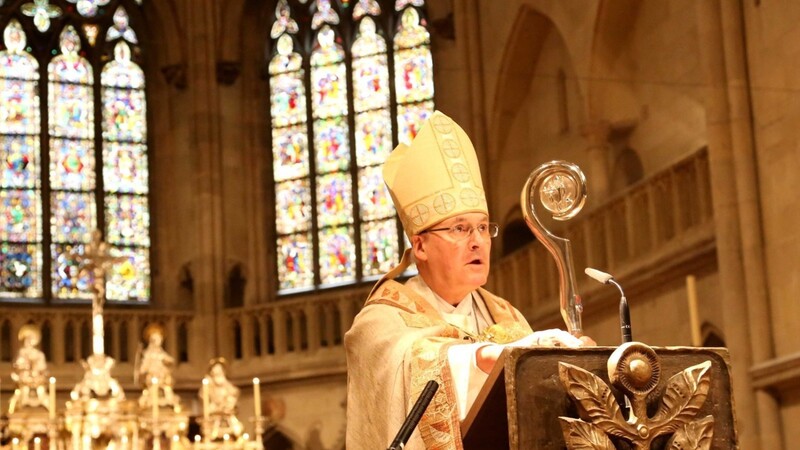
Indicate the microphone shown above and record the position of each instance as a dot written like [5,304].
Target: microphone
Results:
[414,416]
[624,312]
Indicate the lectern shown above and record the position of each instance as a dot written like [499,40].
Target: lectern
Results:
[554,398]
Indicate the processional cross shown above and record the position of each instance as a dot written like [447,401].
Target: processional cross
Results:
[96,257]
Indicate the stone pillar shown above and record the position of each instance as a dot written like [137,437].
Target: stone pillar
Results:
[311,310]
[57,339]
[279,330]
[738,227]
[597,133]
[209,336]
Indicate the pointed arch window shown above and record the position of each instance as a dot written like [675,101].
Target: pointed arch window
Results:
[345,88]
[73,148]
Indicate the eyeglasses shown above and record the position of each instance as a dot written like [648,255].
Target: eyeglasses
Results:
[461,231]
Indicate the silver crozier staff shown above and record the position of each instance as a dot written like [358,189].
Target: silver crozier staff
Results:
[561,187]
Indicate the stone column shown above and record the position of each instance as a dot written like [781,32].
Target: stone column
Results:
[597,133]
[279,331]
[210,337]
[57,339]
[736,215]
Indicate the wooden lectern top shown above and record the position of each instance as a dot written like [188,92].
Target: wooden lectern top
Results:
[687,394]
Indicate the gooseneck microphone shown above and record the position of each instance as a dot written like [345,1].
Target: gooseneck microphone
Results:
[414,416]
[624,312]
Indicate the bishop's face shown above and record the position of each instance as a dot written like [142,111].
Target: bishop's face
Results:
[451,263]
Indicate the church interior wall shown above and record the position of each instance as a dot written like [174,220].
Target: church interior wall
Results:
[773,63]
[790,401]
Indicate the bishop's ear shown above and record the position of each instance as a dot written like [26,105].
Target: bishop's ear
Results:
[418,246]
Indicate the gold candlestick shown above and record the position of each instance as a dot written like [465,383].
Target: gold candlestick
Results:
[694,316]
[257,397]
[52,405]
[206,421]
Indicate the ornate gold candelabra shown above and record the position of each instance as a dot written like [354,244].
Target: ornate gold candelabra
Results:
[98,413]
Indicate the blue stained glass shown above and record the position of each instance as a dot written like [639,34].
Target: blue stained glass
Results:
[20,214]
[71,111]
[289,152]
[125,168]
[72,165]
[19,159]
[331,143]
[295,262]
[70,280]
[19,107]
[334,199]
[127,220]
[73,217]
[329,231]
[288,99]
[373,137]
[293,206]
[373,195]
[129,280]
[379,246]
[20,270]
[336,259]
[123,115]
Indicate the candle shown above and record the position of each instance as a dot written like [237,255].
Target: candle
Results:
[14,444]
[37,443]
[52,398]
[694,316]
[154,400]
[206,424]
[257,397]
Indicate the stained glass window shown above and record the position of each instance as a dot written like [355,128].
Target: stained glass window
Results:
[337,112]
[91,170]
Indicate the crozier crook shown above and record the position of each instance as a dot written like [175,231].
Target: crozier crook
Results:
[561,187]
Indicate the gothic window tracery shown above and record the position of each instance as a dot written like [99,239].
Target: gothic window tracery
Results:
[73,148]
[348,81]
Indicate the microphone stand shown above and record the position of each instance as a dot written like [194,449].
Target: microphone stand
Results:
[414,416]
[624,313]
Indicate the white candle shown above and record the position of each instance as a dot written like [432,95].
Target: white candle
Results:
[206,424]
[37,443]
[154,400]
[14,444]
[52,398]
[694,315]
[257,397]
